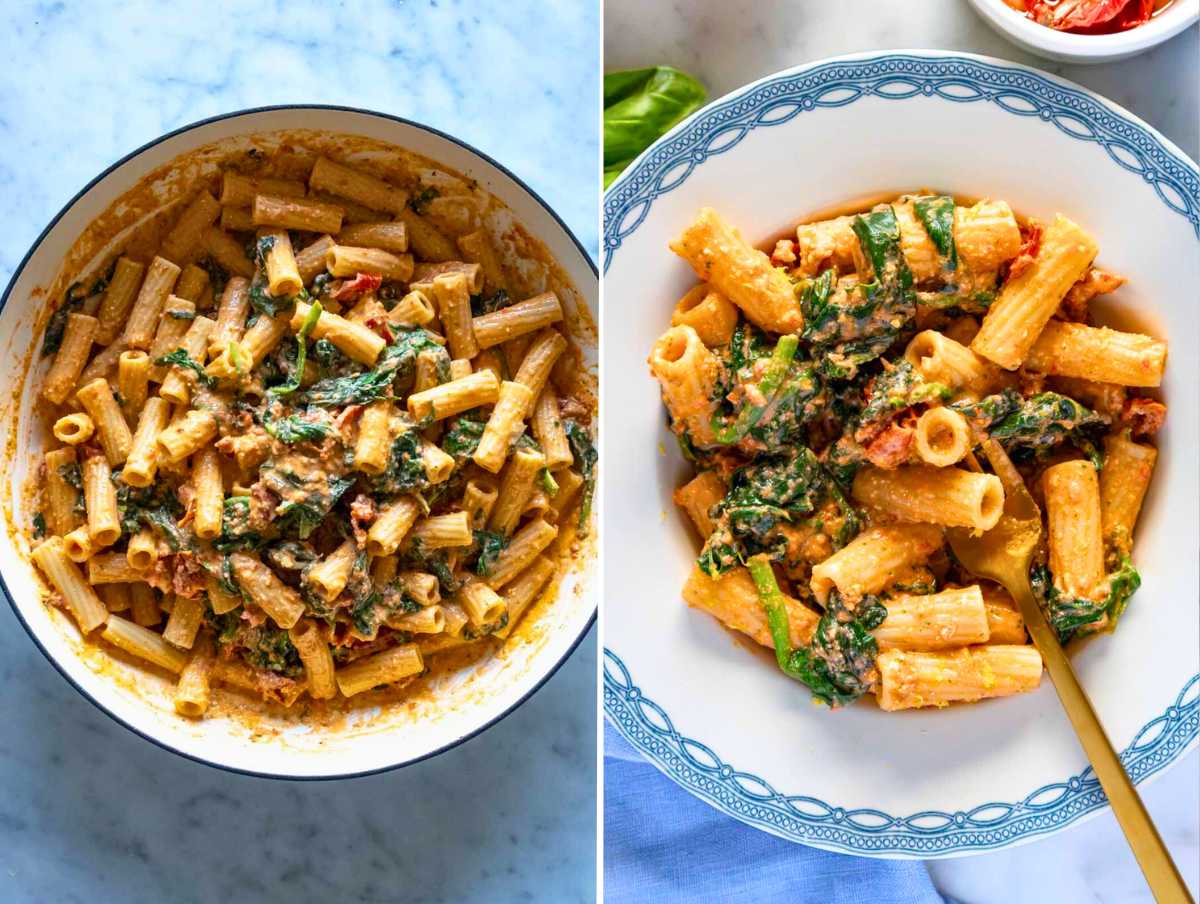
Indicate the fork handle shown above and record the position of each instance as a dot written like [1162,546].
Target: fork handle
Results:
[1152,856]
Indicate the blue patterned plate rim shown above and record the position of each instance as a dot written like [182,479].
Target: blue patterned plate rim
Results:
[778,98]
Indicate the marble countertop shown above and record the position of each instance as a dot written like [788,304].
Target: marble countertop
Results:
[727,44]
[90,812]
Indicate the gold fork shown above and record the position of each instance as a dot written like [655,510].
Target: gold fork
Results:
[1003,554]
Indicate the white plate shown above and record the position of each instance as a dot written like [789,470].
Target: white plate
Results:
[457,705]
[730,727]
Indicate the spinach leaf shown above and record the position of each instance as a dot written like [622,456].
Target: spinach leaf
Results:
[39,525]
[489,304]
[405,470]
[218,276]
[640,106]
[419,202]
[164,522]
[397,360]
[1068,614]
[896,388]
[585,459]
[310,322]
[270,648]
[462,439]
[838,664]
[989,409]
[936,213]
[302,518]
[72,301]
[1046,420]
[489,546]
[180,358]
[750,413]
[235,527]
[293,428]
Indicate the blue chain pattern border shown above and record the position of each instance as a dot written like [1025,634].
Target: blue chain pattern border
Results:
[1022,92]
[644,723]
[930,833]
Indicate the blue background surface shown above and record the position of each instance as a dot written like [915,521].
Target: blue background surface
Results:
[90,812]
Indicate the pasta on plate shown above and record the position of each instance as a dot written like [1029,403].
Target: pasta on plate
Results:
[311,440]
[831,396]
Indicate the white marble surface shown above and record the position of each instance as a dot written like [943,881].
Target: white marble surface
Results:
[90,812]
[727,43]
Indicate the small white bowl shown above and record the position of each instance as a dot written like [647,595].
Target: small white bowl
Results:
[1072,48]
[384,732]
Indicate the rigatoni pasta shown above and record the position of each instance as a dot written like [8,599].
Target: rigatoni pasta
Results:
[833,398]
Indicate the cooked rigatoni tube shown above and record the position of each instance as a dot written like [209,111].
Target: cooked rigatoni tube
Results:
[741,273]
[177,384]
[301,214]
[265,590]
[934,621]
[569,484]
[939,359]
[219,598]
[380,668]
[538,506]
[1098,354]
[459,368]
[116,597]
[347,260]
[144,604]
[1124,478]
[919,252]
[239,191]
[505,422]
[147,309]
[455,397]
[72,355]
[74,428]
[144,644]
[240,358]
[112,568]
[483,605]
[184,621]
[372,447]
[1073,529]
[357,341]
[192,283]
[178,315]
[355,185]
[454,308]
[142,463]
[182,243]
[283,277]
[133,383]
[79,596]
[97,399]
[522,549]
[539,360]
[78,544]
[520,594]
[192,690]
[476,247]
[1027,301]
[869,562]
[1005,624]
[316,657]
[227,251]
[947,496]
[414,309]
[524,317]
[231,315]
[454,619]
[986,235]
[195,430]
[209,494]
[442,531]
[310,260]
[708,312]
[329,576]
[118,299]
[942,437]
[479,499]
[426,371]
[142,552]
[386,236]
[910,679]
[548,430]
[430,620]
[424,275]
[732,599]
[425,239]
[60,495]
[421,586]
[438,464]
[688,373]
[516,486]
[392,525]
[698,496]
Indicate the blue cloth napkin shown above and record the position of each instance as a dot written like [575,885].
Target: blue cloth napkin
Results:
[661,844]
